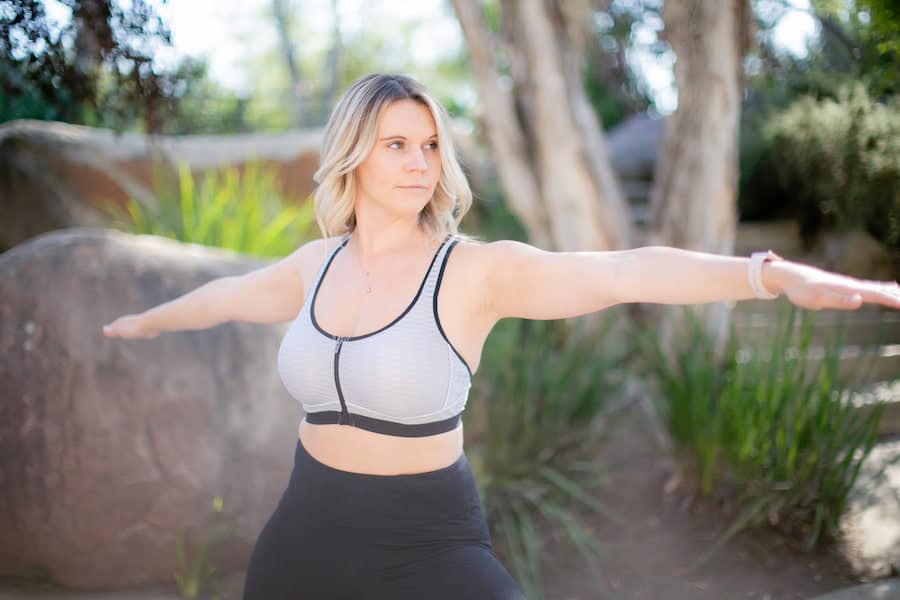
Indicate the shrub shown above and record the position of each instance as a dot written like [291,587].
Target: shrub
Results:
[542,393]
[841,160]
[784,442]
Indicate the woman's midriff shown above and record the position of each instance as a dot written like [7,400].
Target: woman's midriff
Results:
[360,451]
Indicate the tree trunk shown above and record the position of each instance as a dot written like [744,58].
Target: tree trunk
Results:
[93,34]
[694,200]
[282,24]
[549,147]
[332,64]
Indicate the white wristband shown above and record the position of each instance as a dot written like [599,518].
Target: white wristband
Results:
[754,274]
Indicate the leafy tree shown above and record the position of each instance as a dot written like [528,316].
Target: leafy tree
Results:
[862,39]
[858,43]
[97,68]
[201,105]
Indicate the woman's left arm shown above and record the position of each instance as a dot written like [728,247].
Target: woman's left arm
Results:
[526,282]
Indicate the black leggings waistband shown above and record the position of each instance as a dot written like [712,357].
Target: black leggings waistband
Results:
[339,535]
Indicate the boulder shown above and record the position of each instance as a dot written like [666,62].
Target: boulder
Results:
[110,449]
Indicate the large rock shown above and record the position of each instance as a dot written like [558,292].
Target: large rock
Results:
[56,175]
[110,447]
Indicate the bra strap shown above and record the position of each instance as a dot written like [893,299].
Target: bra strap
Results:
[437,266]
[327,262]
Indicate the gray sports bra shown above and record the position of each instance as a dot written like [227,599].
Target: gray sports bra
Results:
[405,379]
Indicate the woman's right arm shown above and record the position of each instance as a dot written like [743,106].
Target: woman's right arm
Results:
[271,294]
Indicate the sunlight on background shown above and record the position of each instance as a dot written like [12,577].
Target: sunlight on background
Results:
[222,31]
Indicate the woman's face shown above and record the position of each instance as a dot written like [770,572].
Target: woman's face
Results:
[402,170]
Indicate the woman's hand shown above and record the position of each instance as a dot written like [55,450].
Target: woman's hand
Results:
[815,289]
[129,326]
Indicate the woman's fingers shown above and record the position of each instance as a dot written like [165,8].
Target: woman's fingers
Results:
[877,292]
[128,326]
[844,293]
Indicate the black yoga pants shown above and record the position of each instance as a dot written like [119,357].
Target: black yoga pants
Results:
[342,535]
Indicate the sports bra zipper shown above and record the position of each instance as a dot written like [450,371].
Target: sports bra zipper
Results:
[337,383]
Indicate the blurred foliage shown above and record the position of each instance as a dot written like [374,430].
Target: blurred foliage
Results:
[245,211]
[614,89]
[490,218]
[95,69]
[857,45]
[841,160]
[767,430]
[47,84]
[194,554]
[380,46]
[857,40]
[542,401]
[862,39]
[202,106]
[545,395]
[46,78]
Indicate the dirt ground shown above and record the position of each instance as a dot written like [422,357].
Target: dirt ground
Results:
[664,530]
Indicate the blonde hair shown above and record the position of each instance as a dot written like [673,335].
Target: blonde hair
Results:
[349,137]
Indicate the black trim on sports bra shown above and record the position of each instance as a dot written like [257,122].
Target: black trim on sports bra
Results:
[434,307]
[312,306]
[334,417]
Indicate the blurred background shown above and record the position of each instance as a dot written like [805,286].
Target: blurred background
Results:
[722,450]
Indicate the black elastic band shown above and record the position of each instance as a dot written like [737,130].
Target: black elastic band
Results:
[327,417]
[434,307]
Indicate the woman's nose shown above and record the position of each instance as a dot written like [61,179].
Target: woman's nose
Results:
[416,160]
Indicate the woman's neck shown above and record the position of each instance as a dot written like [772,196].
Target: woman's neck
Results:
[370,244]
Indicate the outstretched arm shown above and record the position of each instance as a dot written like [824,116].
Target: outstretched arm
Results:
[200,308]
[271,294]
[526,282]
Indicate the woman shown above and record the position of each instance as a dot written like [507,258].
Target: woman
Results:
[390,311]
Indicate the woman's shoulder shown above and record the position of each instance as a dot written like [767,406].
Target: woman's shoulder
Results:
[317,250]
[308,258]
[476,248]
[484,259]
[469,256]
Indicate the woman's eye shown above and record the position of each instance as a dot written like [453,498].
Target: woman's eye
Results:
[399,145]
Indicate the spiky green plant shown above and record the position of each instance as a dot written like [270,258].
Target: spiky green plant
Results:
[195,570]
[543,388]
[763,426]
[245,211]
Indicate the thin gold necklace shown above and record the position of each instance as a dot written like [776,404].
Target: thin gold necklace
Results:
[366,275]
[368,282]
